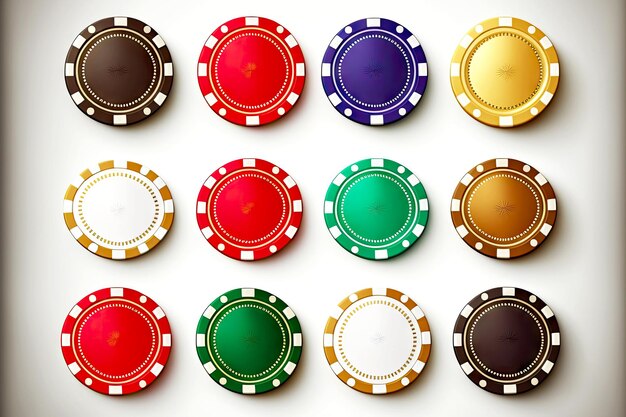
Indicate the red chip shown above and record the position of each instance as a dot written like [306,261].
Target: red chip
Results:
[116,341]
[249,209]
[251,71]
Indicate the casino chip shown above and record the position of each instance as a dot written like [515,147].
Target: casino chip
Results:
[374,71]
[504,72]
[503,208]
[251,71]
[376,208]
[119,71]
[249,209]
[116,341]
[377,341]
[249,341]
[507,340]
[118,209]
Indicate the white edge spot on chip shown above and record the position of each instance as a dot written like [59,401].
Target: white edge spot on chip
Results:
[508,292]
[462,231]
[467,39]
[207,232]
[413,180]
[69,69]
[297,206]
[160,98]
[467,368]
[158,41]
[509,389]
[545,229]
[93,247]
[336,367]
[156,369]
[377,120]
[335,42]
[119,119]
[455,205]
[419,366]
[423,204]
[67,206]
[546,97]
[335,232]
[118,254]
[76,232]
[117,292]
[252,121]
[169,206]
[288,312]
[328,340]
[505,21]
[300,69]
[541,180]
[168,69]
[506,121]
[381,254]
[413,42]
[426,338]
[339,179]
[201,207]
[202,72]
[467,310]
[291,231]
[78,42]
[208,313]
[210,182]
[417,312]
[554,69]
[210,43]
[249,163]
[297,339]
[556,339]
[503,253]
[334,99]
[74,368]
[210,99]
[379,291]
[547,312]
[248,389]
[115,390]
[373,23]
[75,311]
[336,313]
[289,182]
[210,368]
[328,207]
[167,340]
[292,98]
[158,313]
[78,98]
[547,367]
[325,69]
[415,98]
[455,69]
[379,389]
[377,163]
[502,163]
[247,255]
[467,178]
[291,41]
[545,42]
[458,340]
[252,21]
[463,99]
[418,230]
[289,367]
[66,339]
[120,21]
[552,204]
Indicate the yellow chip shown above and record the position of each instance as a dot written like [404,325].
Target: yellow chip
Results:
[504,72]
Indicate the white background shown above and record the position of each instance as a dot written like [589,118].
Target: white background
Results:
[577,143]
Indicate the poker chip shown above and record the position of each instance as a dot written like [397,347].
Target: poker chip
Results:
[377,341]
[507,340]
[374,71]
[249,209]
[118,71]
[376,208]
[251,71]
[249,341]
[504,72]
[503,208]
[118,209]
[116,341]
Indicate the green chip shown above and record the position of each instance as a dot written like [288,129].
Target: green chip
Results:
[376,208]
[249,341]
